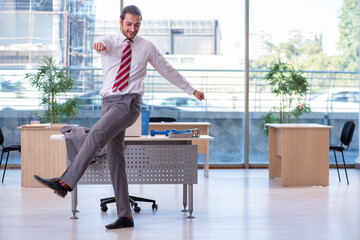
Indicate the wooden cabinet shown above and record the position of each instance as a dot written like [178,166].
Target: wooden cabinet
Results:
[299,154]
[40,155]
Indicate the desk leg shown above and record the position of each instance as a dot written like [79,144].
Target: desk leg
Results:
[191,202]
[206,164]
[184,198]
[74,203]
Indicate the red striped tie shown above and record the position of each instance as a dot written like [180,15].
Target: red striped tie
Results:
[122,77]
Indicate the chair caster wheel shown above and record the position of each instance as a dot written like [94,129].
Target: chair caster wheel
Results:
[103,207]
[154,206]
[137,209]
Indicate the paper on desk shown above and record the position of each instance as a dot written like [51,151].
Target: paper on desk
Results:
[41,125]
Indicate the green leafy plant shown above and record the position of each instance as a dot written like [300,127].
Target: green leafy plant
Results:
[290,86]
[51,80]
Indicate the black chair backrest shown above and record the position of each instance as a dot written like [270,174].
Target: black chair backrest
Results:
[1,137]
[162,119]
[347,133]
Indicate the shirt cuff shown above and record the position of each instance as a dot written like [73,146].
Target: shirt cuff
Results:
[102,53]
[190,90]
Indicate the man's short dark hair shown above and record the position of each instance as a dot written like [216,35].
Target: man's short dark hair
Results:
[134,10]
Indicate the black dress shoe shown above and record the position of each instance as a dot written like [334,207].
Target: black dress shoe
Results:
[52,183]
[121,222]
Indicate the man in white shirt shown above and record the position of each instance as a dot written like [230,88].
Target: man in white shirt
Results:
[124,60]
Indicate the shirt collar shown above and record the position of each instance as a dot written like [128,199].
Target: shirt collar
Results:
[122,38]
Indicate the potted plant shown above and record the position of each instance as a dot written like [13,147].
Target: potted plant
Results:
[290,86]
[51,80]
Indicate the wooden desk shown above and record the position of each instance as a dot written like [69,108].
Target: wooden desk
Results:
[39,155]
[203,146]
[299,154]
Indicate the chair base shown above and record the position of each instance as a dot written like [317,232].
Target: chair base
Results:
[133,202]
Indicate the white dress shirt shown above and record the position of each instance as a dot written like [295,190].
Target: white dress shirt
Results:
[143,52]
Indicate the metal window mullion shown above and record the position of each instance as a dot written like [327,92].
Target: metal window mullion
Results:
[246,98]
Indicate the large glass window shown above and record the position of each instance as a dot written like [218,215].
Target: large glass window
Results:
[204,40]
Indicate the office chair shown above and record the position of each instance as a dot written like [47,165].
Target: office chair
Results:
[345,139]
[7,150]
[133,199]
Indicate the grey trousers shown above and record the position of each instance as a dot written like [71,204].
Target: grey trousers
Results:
[117,113]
